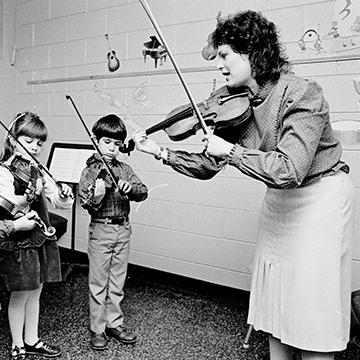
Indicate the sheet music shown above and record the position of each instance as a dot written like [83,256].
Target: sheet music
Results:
[67,163]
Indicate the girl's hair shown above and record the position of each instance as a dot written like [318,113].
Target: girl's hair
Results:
[110,126]
[24,124]
[251,34]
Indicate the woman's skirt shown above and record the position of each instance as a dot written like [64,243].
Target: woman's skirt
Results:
[301,282]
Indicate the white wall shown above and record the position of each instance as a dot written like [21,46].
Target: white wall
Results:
[204,230]
[10,78]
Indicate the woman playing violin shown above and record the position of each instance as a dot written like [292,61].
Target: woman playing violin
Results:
[34,258]
[307,209]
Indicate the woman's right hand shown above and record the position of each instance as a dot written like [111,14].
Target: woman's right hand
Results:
[26,222]
[144,144]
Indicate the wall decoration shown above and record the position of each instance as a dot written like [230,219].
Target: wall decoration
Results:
[122,106]
[346,21]
[141,96]
[357,86]
[209,52]
[343,34]
[310,40]
[113,61]
[155,50]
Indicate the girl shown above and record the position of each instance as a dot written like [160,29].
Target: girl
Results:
[306,220]
[35,257]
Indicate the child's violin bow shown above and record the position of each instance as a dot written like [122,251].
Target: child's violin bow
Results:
[92,138]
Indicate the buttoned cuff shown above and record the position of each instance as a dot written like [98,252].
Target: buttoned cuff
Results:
[9,227]
[235,154]
[169,157]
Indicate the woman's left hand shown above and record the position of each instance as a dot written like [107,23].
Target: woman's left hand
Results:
[216,146]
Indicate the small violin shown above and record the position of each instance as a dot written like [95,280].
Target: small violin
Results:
[98,172]
[224,109]
[25,170]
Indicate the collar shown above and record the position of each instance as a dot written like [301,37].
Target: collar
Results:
[262,94]
[96,158]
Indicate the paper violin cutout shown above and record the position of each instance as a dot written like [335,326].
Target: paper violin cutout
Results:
[155,50]
[209,52]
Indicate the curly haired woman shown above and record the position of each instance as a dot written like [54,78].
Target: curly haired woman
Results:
[300,291]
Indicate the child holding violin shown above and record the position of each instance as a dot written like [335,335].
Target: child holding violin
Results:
[306,220]
[33,257]
[108,203]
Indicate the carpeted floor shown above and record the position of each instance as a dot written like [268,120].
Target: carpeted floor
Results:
[172,322]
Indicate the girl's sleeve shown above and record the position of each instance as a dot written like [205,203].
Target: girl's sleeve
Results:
[52,193]
[7,189]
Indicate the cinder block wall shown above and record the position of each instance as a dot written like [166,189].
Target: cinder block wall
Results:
[204,230]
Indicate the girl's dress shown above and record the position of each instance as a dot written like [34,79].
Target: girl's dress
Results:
[29,258]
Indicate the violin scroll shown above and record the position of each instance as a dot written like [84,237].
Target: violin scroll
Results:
[47,230]
[9,210]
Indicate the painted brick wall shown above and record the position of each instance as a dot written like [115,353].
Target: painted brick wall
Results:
[205,230]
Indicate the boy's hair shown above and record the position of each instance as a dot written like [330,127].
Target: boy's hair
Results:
[24,124]
[110,126]
[250,33]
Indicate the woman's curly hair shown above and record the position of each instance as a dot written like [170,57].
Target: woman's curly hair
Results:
[249,33]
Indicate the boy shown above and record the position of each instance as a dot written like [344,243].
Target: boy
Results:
[109,231]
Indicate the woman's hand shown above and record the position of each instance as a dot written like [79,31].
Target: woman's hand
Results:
[216,146]
[144,144]
[124,186]
[26,222]
[65,191]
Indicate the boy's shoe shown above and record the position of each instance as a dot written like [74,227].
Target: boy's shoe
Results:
[17,353]
[121,334]
[43,349]
[98,341]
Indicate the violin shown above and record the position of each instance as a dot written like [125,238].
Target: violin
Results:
[98,172]
[25,170]
[224,110]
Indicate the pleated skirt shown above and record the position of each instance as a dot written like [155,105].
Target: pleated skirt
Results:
[301,281]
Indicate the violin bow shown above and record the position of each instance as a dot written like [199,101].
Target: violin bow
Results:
[149,13]
[36,161]
[92,138]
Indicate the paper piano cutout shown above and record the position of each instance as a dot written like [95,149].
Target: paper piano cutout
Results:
[155,50]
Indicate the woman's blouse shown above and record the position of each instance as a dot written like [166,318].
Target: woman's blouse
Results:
[288,143]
